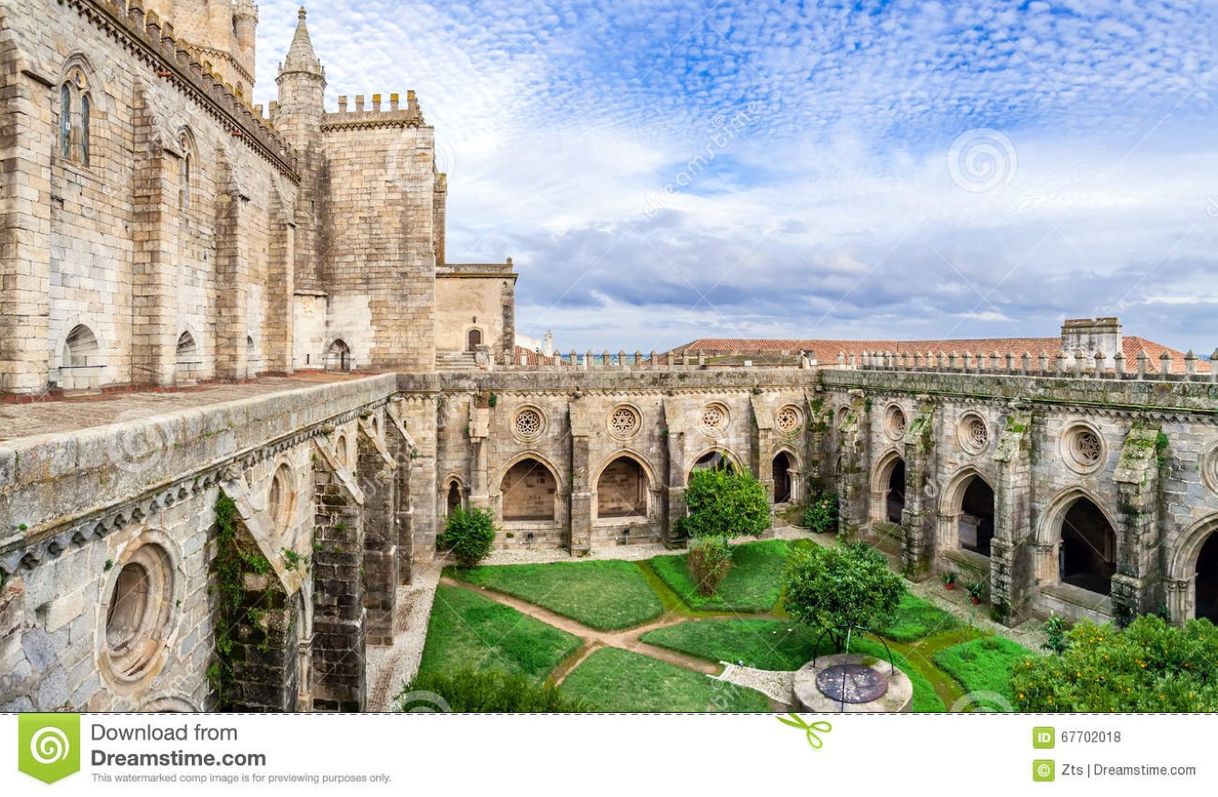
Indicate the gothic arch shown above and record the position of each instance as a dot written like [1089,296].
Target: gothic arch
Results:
[647,484]
[1192,588]
[527,505]
[953,532]
[1060,563]
[786,485]
[888,487]
[448,484]
[1048,530]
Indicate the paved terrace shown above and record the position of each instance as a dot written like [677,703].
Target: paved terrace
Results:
[83,412]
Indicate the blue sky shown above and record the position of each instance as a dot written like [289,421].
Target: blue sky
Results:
[662,171]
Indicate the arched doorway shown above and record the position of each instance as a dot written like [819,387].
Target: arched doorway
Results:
[338,356]
[1087,555]
[453,501]
[187,358]
[781,470]
[1207,579]
[976,524]
[622,489]
[529,492]
[473,339]
[888,489]
[895,505]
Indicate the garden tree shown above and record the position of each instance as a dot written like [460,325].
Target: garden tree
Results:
[821,514]
[1149,666]
[722,503]
[834,589]
[468,535]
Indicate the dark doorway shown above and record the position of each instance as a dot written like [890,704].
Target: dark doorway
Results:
[1207,580]
[454,497]
[782,478]
[977,517]
[473,340]
[896,492]
[1087,558]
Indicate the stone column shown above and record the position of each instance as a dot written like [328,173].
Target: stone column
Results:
[403,452]
[818,427]
[1136,582]
[674,487]
[378,480]
[278,343]
[1179,600]
[1012,548]
[853,482]
[918,517]
[580,516]
[763,444]
[339,627]
[266,655]
[26,106]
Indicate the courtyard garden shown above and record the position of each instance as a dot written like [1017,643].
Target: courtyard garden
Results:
[616,635]
[725,625]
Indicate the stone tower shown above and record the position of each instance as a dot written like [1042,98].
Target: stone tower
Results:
[220,33]
[298,116]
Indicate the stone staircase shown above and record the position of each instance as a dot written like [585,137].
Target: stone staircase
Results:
[455,361]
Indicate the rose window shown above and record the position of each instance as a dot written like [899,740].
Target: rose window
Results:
[528,423]
[787,419]
[714,419]
[624,422]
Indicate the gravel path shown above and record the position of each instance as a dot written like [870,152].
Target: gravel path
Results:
[777,686]
[390,668]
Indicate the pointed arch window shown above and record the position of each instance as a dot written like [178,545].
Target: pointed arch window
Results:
[75,119]
[65,121]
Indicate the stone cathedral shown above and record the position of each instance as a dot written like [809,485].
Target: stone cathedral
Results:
[241,386]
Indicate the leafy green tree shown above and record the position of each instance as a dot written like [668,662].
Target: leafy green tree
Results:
[1149,666]
[468,535]
[709,559]
[832,589]
[725,504]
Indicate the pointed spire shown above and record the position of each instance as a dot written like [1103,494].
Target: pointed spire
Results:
[301,55]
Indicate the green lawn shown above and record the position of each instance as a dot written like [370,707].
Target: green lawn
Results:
[619,680]
[916,619]
[983,665]
[754,583]
[776,645]
[467,630]
[606,595]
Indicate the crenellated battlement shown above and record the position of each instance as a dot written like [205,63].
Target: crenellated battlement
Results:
[375,113]
[155,41]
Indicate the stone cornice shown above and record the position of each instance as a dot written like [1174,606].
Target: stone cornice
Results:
[170,61]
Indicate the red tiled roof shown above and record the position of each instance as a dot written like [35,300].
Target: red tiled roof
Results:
[826,351]
[532,357]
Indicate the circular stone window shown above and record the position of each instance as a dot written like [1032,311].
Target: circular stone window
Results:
[1083,448]
[895,422]
[1209,468]
[281,497]
[529,423]
[714,420]
[138,612]
[974,433]
[788,419]
[624,421]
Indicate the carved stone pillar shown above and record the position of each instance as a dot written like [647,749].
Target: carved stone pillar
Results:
[378,480]
[853,482]
[1136,582]
[674,487]
[1014,566]
[918,517]
[580,516]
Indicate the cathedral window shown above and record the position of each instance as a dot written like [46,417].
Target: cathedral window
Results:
[75,119]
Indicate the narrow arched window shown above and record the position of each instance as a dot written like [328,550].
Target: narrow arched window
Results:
[65,121]
[186,181]
[85,108]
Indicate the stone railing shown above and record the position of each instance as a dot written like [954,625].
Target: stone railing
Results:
[623,361]
[1190,368]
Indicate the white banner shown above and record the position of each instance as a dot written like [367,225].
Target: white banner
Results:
[990,754]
